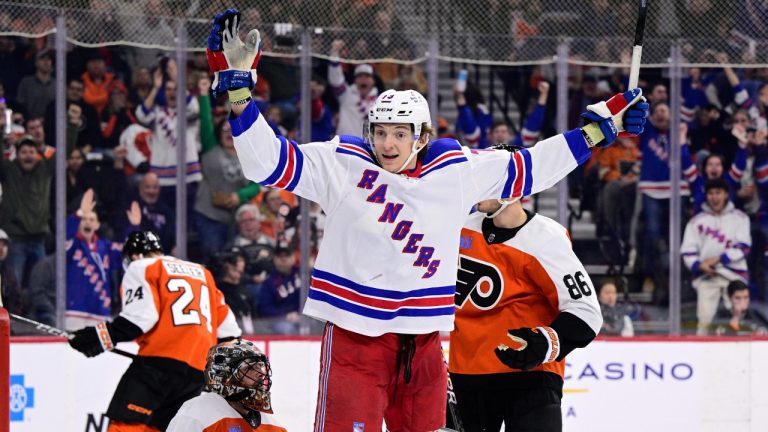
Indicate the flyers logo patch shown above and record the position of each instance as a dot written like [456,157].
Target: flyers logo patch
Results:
[478,282]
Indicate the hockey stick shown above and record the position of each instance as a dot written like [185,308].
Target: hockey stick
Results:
[453,407]
[53,331]
[637,48]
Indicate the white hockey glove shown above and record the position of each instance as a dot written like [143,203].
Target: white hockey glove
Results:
[531,347]
[232,62]
[622,115]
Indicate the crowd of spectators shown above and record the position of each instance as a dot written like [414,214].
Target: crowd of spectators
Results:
[121,140]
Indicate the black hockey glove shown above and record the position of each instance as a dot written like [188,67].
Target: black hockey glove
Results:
[93,340]
[531,347]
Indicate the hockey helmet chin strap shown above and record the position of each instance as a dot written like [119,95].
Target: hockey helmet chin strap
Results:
[504,203]
[415,149]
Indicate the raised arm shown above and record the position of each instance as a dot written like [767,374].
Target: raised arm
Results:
[529,171]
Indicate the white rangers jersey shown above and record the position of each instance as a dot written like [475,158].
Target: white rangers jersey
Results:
[388,259]
[209,412]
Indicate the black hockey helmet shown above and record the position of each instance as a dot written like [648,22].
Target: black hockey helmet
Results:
[141,243]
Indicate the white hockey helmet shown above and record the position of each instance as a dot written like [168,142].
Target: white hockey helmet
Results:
[400,107]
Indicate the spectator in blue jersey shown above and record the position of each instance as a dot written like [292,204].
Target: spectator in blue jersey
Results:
[654,187]
[715,248]
[474,120]
[279,297]
[91,262]
[761,179]
[322,117]
[500,130]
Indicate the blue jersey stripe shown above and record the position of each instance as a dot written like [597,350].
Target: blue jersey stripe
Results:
[298,166]
[375,313]
[281,164]
[383,293]
[353,153]
[245,120]
[444,164]
[511,175]
[528,185]
[578,145]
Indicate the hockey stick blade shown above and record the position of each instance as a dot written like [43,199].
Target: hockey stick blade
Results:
[53,331]
[637,48]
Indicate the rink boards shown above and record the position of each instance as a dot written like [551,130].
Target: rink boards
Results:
[636,385]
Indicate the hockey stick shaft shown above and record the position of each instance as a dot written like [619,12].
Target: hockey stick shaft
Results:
[53,331]
[453,407]
[637,48]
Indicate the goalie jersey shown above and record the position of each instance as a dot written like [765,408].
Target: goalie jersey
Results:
[178,308]
[209,412]
[531,279]
[387,263]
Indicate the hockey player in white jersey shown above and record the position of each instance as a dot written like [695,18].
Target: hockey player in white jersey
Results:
[384,279]
[236,397]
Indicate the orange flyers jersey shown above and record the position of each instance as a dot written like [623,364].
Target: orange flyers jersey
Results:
[525,281]
[178,307]
[209,412]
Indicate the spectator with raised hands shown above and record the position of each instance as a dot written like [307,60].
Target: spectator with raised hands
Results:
[354,100]
[91,262]
[162,144]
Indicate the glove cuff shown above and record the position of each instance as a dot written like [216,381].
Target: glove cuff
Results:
[239,96]
[553,342]
[102,331]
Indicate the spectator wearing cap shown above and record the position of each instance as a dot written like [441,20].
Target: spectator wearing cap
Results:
[280,293]
[715,247]
[26,209]
[354,100]
[97,81]
[10,289]
[38,90]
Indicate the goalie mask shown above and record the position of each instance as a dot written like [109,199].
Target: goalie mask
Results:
[240,372]
[400,107]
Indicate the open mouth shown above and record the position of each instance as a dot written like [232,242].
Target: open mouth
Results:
[390,157]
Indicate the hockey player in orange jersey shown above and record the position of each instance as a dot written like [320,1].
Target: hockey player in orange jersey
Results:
[237,382]
[523,301]
[175,313]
